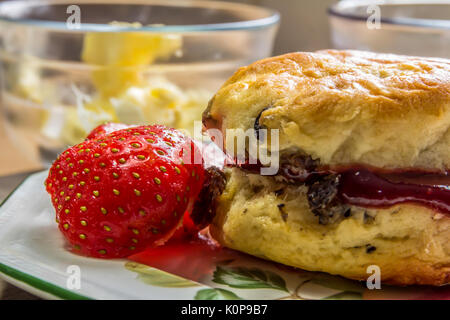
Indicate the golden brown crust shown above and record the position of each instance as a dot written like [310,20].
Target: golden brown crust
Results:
[345,106]
[410,243]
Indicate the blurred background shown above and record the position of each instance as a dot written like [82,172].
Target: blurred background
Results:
[304,27]
[304,24]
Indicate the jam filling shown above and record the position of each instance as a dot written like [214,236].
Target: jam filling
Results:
[373,187]
[362,187]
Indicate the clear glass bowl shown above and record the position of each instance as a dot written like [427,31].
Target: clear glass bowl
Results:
[137,62]
[411,27]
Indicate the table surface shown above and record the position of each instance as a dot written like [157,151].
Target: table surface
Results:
[8,291]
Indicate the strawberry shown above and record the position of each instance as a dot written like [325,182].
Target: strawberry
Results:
[105,129]
[122,192]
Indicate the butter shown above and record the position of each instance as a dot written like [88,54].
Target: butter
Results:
[122,56]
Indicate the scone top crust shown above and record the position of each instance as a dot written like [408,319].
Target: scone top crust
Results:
[345,107]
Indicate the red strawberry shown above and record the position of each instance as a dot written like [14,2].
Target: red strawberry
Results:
[126,191]
[105,129]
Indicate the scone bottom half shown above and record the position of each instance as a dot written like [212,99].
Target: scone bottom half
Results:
[306,221]
[267,218]
[363,168]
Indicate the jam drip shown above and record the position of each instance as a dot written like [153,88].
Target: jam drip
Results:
[364,188]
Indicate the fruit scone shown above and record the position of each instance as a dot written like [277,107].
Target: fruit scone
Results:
[363,170]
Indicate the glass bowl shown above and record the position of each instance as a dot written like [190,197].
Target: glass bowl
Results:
[65,69]
[411,27]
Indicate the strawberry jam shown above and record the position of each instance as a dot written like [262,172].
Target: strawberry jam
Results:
[373,187]
[193,258]
[365,188]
